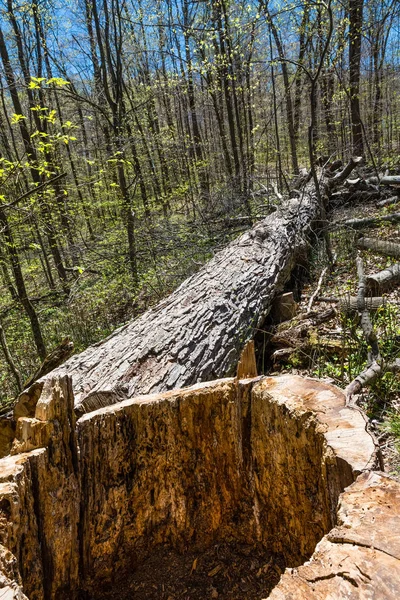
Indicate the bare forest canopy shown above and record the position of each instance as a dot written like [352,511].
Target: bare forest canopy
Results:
[137,137]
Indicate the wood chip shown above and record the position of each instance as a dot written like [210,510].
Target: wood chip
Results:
[194,566]
[214,571]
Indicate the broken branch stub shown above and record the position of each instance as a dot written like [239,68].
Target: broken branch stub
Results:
[342,175]
[369,375]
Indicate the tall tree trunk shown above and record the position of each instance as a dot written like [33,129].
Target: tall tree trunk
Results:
[196,135]
[20,285]
[355,32]
[224,76]
[327,91]
[110,71]
[9,359]
[286,84]
[299,78]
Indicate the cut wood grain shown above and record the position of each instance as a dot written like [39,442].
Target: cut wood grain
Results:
[247,367]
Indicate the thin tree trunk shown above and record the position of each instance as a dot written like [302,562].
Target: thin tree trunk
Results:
[355,29]
[299,74]
[20,285]
[9,359]
[288,95]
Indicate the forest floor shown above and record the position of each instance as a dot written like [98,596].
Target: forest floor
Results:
[224,571]
[340,352]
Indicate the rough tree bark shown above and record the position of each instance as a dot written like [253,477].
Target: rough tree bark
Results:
[198,333]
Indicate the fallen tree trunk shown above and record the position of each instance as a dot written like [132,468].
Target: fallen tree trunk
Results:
[393,180]
[384,280]
[388,201]
[198,333]
[368,221]
[348,304]
[379,246]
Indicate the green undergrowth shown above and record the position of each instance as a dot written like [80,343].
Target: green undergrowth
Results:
[392,425]
[352,355]
[347,355]
[102,294]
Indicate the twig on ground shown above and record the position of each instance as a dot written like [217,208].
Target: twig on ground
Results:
[318,289]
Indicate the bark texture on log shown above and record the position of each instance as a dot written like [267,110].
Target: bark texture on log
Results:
[384,280]
[197,333]
[391,180]
[349,305]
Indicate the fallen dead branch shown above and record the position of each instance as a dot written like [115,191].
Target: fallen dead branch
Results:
[369,375]
[376,365]
[367,222]
[384,280]
[369,335]
[365,319]
[379,246]
[348,304]
[388,201]
[318,289]
[392,180]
